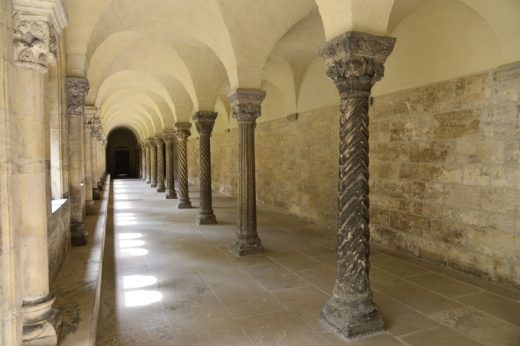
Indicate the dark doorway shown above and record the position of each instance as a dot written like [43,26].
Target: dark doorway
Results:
[122,162]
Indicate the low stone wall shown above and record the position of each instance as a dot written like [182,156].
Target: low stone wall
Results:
[444,163]
[59,240]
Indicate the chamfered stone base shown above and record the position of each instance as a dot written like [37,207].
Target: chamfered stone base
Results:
[79,236]
[91,207]
[153,185]
[184,204]
[247,245]
[95,194]
[42,323]
[161,189]
[353,318]
[206,217]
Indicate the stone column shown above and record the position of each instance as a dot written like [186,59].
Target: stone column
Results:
[148,166]
[94,163]
[89,196]
[246,106]
[143,160]
[153,162]
[169,138]
[35,30]
[160,165]
[182,132]
[204,122]
[77,88]
[354,62]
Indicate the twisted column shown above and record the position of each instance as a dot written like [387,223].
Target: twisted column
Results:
[77,88]
[160,165]
[246,106]
[153,162]
[182,132]
[204,122]
[169,138]
[354,62]
[143,160]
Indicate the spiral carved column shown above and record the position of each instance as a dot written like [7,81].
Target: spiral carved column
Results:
[143,160]
[160,165]
[354,62]
[153,162]
[246,106]
[169,138]
[204,122]
[182,131]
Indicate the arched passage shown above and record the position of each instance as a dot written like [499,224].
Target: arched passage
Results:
[123,154]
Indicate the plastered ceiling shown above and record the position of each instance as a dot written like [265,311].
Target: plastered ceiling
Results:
[152,63]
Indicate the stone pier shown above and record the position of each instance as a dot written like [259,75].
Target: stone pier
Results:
[182,132]
[246,107]
[204,122]
[355,62]
[90,112]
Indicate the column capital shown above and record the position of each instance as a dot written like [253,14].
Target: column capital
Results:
[77,88]
[246,104]
[182,130]
[36,26]
[157,140]
[355,60]
[204,121]
[169,135]
[90,114]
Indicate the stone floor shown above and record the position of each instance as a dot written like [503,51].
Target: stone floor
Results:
[167,281]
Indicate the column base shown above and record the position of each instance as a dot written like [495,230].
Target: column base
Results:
[161,188]
[206,217]
[148,181]
[95,194]
[353,318]
[153,185]
[171,194]
[184,204]
[42,324]
[79,236]
[100,186]
[247,245]
[91,207]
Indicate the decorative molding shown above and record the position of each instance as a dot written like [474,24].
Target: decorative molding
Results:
[77,88]
[355,60]
[246,104]
[204,121]
[32,43]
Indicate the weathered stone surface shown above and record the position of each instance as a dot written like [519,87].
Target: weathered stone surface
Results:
[169,140]
[160,165]
[182,132]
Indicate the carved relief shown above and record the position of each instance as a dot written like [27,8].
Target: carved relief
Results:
[246,104]
[32,42]
[77,88]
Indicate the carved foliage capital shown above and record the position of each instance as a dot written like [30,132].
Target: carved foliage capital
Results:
[182,130]
[204,121]
[246,104]
[169,135]
[158,141]
[77,88]
[355,60]
[33,42]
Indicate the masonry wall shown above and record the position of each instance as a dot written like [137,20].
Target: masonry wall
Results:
[59,240]
[444,163]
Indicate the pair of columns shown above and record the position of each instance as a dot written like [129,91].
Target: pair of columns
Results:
[86,157]
[152,157]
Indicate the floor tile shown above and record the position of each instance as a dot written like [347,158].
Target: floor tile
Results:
[443,285]
[439,336]
[495,305]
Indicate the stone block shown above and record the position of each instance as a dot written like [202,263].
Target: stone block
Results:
[461,196]
[452,125]
[434,151]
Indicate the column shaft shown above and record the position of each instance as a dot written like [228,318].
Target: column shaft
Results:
[182,131]
[153,163]
[143,161]
[204,122]
[76,91]
[169,136]
[94,165]
[355,63]
[148,166]
[89,197]
[246,104]
[160,165]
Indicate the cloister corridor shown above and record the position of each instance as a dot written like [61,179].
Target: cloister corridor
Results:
[167,281]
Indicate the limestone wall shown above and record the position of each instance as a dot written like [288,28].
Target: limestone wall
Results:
[445,169]
[59,239]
